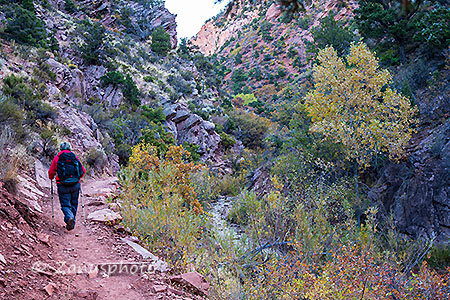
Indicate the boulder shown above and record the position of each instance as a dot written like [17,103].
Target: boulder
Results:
[181,115]
[193,280]
[104,215]
[50,288]
[157,265]
[41,174]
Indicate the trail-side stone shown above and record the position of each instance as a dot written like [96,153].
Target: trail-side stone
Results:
[141,250]
[159,288]
[50,288]
[2,259]
[93,273]
[44,238]
[41,174]
[87,294]
[104,215]
[193,280]
[157,264]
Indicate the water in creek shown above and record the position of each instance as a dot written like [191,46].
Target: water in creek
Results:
[219,212]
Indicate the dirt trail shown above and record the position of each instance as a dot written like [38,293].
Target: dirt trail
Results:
[90,244]
[69,258]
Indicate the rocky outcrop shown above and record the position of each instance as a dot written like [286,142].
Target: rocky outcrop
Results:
[192,129]
[161,17]
[158,16]
[417,191]
[70,80]
[213,36]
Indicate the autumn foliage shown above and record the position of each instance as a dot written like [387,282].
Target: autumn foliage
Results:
[159,201]
[352,103]
[347,272]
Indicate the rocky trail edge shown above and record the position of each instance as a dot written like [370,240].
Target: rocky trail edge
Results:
[94,261]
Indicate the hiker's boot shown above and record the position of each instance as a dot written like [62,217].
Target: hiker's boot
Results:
[70,224]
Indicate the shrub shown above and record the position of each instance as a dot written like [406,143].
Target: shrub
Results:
[149,78]
[157,137]
[22,94]
[131,91]
[26,28]
[114,78]
[266,28]
[123,151]
[96,159]
[93,35]
[193,150]
[49,143]
[331,33]
[245,205]
[11,115]
[160,204]
[70,6]
[251,128]
[161,41]
[434,29]
[228,141]
[156,115]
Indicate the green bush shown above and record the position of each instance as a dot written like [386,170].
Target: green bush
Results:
[228,141]
[158,137]
[434,29]
[149,78]
[439,257]
[49,143]
[26,28]
[193,150]
[93,47]
[11,115]
[70,6]
[23,95]
[161,41]
[156,115]
[131,91]
[331,33]
[96,159]
[115,78]
[266,31]
[251,128]
[123,151]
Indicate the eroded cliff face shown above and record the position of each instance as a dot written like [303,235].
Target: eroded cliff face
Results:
[417,190]
[259,39]
[215,33]
[238,14]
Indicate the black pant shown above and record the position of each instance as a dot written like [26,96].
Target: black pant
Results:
[68,198]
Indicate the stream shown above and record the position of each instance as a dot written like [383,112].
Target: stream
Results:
[219,212]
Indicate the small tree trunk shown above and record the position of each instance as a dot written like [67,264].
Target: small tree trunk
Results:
[358,198]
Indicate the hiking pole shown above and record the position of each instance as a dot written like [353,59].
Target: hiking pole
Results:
[82,204]
[53,209]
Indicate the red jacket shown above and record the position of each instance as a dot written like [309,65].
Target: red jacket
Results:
[54,165]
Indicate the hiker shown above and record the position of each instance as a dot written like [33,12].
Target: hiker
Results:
[68,170]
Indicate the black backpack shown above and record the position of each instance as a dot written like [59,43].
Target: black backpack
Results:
[69,169]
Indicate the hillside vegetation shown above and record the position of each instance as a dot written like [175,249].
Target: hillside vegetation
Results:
[291,150]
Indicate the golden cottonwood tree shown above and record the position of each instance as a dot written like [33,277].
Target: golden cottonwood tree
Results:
[352,103]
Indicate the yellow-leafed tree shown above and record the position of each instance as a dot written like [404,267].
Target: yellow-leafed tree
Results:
[352,103]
